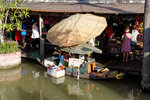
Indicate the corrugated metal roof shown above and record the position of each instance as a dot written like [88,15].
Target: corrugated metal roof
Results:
[135,8]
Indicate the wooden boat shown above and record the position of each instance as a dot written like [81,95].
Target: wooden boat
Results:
[93,75]
[98,75]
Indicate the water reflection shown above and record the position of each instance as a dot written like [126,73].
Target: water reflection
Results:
[34,85]
[56,80]
[8,75]
[101,90]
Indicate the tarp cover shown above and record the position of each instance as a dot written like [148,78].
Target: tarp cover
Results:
[82,49]
[76,29]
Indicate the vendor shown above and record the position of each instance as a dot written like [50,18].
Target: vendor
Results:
[133,41]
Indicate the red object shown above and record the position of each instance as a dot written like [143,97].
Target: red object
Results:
[18,36]
[58,70]
[66,57]
[136,22]
[49,68]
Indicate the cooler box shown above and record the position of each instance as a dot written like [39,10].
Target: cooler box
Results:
[56,74]
[50,61]
[71,70]
[86,68]
[83,69]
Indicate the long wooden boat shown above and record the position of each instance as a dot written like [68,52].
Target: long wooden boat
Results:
[92,75]
[97,75]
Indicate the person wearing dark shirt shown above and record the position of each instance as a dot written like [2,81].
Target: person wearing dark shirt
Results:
[24,34]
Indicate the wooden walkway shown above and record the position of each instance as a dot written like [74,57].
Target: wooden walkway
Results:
[130,66]
[32,53]
[116,63]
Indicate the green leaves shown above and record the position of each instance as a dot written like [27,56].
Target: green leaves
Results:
[11,14]
[7,47]
[9,27]
[2,16]
[18,25]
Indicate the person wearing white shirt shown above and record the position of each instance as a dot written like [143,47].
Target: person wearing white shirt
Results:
[35,35]
[134,41]
[134,35]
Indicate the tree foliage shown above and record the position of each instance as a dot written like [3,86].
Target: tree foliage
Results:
[12,12]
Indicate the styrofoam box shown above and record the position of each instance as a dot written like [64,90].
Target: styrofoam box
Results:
[56,74]
[49,61]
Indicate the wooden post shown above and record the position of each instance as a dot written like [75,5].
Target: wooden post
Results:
[1,33]
[146,48]
[41,39]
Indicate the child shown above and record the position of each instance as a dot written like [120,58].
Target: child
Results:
[125,47]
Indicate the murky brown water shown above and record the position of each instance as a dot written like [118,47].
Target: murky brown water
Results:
[28,82]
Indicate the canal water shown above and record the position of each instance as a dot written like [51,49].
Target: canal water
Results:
[29,82]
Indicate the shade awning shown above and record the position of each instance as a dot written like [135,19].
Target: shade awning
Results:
[120,8]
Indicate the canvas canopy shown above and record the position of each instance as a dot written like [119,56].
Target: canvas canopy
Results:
[76,29]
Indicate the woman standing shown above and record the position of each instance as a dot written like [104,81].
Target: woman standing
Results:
[126,47]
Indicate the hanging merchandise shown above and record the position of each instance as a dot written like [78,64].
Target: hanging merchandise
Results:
[136,22]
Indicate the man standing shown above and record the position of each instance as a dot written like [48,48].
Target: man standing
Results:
[133,41]
[24,34]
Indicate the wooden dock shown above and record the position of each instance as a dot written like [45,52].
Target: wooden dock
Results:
[114,62]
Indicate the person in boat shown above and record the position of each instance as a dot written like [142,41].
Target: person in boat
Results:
[66,56]
[61,59]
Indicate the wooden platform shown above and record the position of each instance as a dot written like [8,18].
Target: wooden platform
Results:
[34,52]
[129,66]
[114,62]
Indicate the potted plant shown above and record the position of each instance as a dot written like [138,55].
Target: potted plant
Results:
[12,12]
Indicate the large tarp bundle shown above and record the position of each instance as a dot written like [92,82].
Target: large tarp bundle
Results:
[76,29]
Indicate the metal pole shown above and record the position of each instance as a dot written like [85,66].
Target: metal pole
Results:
[78,73]
[41,39]
[10,35]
